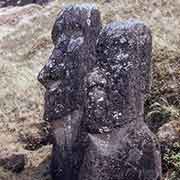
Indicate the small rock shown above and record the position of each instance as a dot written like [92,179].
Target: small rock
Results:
[35,137]
[14,162]
[169,133]
[169,136]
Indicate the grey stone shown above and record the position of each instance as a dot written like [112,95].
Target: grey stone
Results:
[126,150]
[74,36]
[96,81]
[169,138]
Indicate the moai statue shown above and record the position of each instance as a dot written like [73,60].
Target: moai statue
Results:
[74,36]
[121,146]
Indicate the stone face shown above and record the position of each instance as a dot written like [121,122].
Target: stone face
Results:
[117,86]
[74,36]
[121,147]
[169,133]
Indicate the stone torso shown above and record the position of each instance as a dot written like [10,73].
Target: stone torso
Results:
[128,153]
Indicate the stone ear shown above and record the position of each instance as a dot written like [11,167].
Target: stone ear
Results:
[145,53]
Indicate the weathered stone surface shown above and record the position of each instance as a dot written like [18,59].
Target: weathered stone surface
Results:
[74,36]
[95,99]
[121,147]
[67,149]
[116,87]
[5,3]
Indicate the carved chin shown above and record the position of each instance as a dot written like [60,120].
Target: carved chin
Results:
[52,109]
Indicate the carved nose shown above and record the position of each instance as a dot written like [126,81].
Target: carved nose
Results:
[43,76]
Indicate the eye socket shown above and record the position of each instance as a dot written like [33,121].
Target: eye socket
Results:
[72,28]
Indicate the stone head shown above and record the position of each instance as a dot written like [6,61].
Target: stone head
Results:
[125,46]
[75,28]
[74,37]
